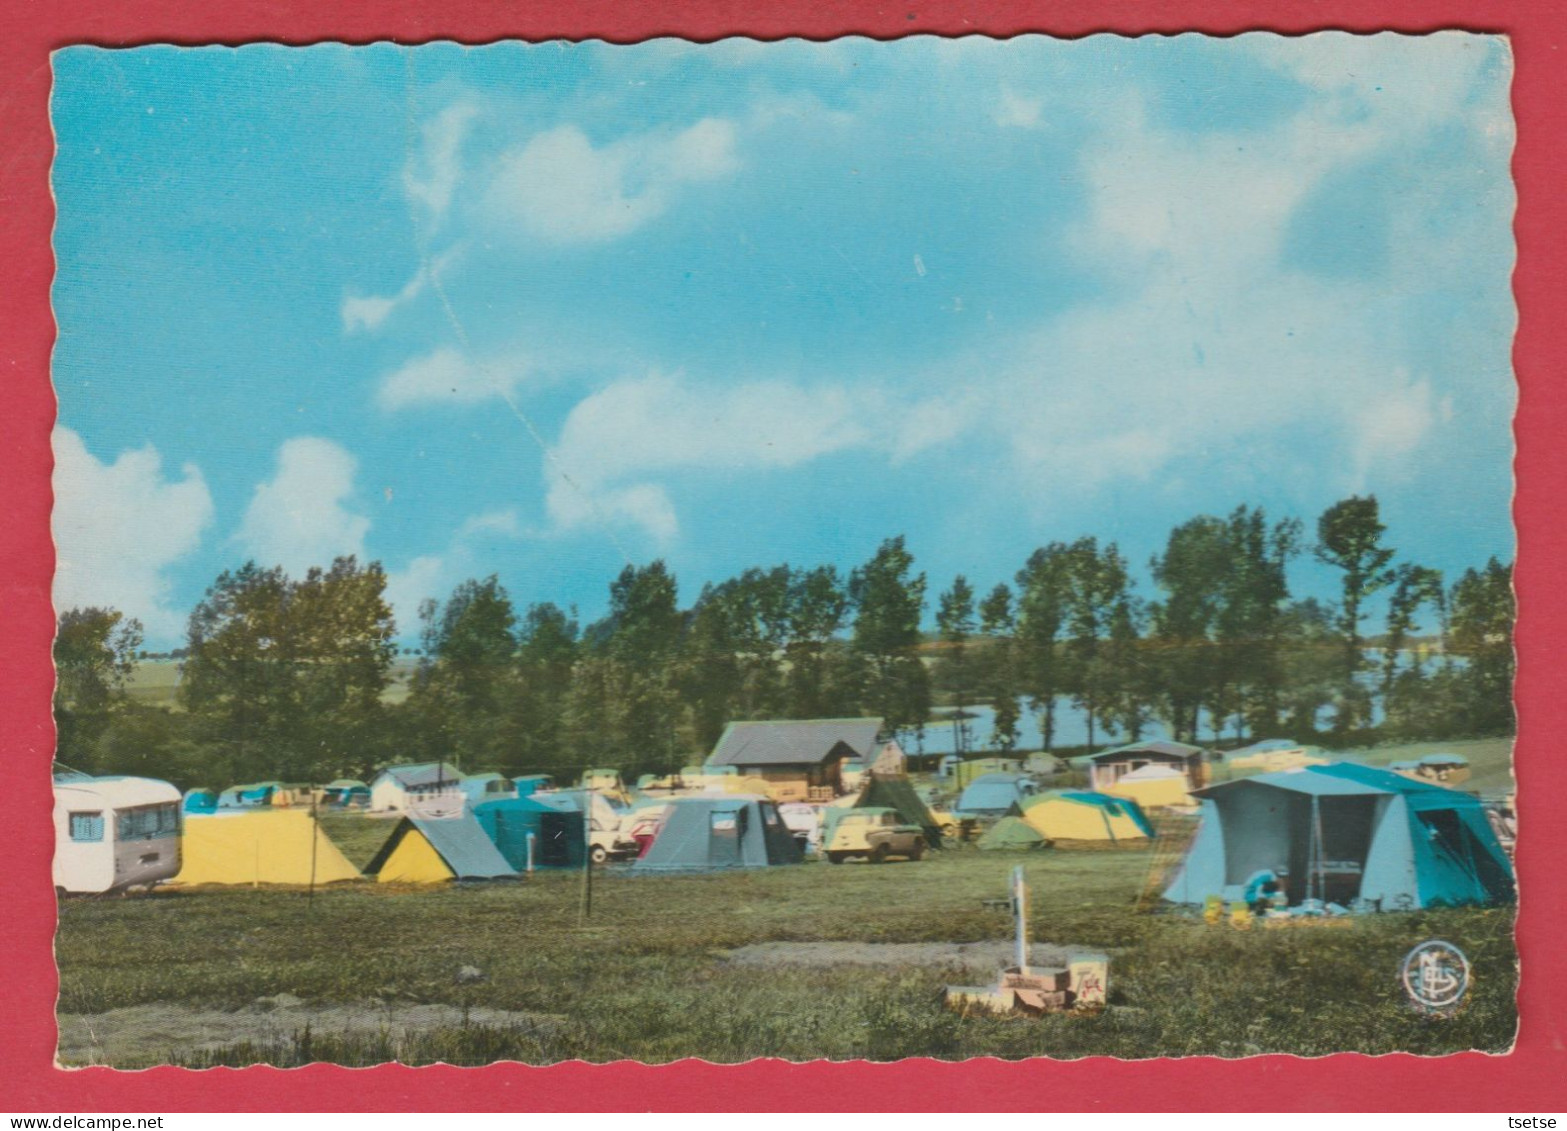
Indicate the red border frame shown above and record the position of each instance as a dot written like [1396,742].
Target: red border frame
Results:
[1528,1080]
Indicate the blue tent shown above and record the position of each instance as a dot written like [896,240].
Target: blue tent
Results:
[1343,832]
[558,837]
[201,801]
[703,833]
[994,795]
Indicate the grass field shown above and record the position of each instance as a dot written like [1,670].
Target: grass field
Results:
[649,974]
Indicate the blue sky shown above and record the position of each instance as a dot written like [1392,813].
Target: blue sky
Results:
[542,310]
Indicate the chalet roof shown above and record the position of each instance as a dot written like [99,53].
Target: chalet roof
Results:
[794,742]
[422,774]
[1158,747]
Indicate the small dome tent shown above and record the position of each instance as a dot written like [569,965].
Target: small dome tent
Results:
[1072,814]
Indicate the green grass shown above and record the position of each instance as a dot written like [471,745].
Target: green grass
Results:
[645,977]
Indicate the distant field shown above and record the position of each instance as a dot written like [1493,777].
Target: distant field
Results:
[154,681]
[652,975]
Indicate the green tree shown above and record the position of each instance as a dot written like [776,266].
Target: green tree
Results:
[1097,596]
[1483,612]
[997,623]
[888,599]
[467,686]
[1349,538]
[955,622]
[284,678]
[1044,587]
[94,658]
[820,681]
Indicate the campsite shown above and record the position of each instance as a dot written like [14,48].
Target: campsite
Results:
[799,961]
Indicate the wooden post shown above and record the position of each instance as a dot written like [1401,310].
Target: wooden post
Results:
[1020,907]
[587,856]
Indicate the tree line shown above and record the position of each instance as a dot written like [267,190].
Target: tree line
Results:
[295,678]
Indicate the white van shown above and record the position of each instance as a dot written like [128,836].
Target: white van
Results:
[113,833]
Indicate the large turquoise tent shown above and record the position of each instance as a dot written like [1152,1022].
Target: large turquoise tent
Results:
[1341,833]
[558,837]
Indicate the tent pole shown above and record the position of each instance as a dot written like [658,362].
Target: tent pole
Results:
[315,835]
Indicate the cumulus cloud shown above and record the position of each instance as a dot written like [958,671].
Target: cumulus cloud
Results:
[299,518]
[119,526]
[368,312]
[1207,338]
[434,168]
[450,376]
[617,442]
[562,189]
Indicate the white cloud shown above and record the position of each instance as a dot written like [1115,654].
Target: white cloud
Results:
[616,437]
[434,168]
[368,312]
[561,189]
[297,519]
[449,376]
[1206,340]
[118,527]
[1018,110]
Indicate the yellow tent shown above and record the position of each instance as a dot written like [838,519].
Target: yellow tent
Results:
[260,846]
[1080,815]
[414,861]
[1152,786]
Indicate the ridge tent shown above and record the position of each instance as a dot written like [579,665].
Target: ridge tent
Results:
[726,832]
[558,837]
[1074,814]
[994,795]
[1153,785]
[431,850]
[260,846]
[897,793]
[1343,832]
[1011,833]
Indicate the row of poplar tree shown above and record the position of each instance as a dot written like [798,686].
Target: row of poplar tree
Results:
[296,678]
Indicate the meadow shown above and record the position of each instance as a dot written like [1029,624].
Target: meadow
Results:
[515,971]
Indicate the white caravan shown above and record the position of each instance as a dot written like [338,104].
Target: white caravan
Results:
[113,833]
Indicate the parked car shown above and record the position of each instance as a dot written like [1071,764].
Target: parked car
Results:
[874,834]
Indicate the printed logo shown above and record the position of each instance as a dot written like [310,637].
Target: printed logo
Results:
[1436,977]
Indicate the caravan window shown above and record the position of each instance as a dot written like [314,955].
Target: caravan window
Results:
[148,822]
[86,826]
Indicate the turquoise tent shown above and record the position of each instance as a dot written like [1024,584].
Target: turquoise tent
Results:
[1341,833]
[558,837]
[703,833]
[201,801]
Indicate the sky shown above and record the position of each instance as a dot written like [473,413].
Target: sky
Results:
[546,310]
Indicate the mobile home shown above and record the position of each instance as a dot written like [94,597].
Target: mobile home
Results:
[112,833]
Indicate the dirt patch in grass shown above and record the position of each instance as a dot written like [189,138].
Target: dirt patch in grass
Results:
[129,1035]
[977,956]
